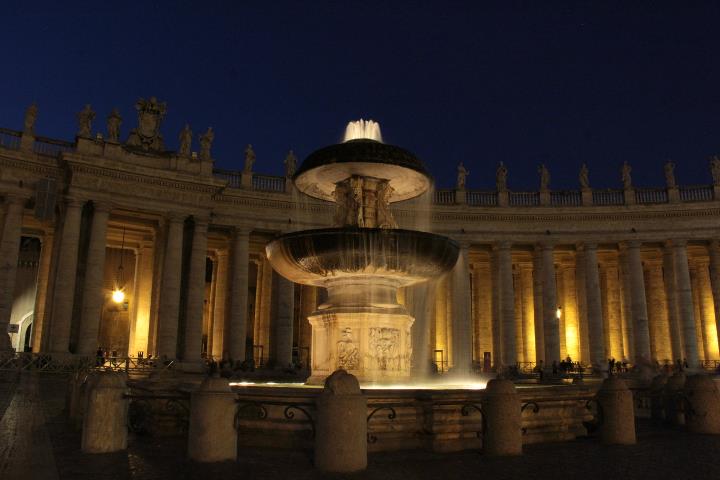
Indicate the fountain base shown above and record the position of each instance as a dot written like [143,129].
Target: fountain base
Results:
[373,344]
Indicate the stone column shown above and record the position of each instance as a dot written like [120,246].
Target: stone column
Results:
[697,309]
[495,314]
[40,321]
[219,312]
[596,335]
[550,320]
[526,282]
[461,322]
[239,295]
[507,304]
[196,293]
[519,314]
[613,334]
[714,251]
[64,293]
[140,326]
[94,288]
[707,309]
[284,320]
[683,294]
[538,305]
[263,309]
[638,304]
[657,308]
[569,312]
[581,294]
[9,252]
[169,304]
[672,308]
[626,316]
[483,313]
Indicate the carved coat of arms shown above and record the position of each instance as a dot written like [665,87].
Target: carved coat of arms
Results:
[147,134]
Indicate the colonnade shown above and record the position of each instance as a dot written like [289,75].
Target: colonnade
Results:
[519,302]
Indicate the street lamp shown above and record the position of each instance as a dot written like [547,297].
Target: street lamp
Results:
[118,294]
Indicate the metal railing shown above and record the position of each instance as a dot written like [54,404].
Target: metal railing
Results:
[268,183]
[524,199]
[566,198]
[651,195]
[444,197]
[51,147]
[47,363]
[696,193]
[10,138]
[608,197]
[481,198]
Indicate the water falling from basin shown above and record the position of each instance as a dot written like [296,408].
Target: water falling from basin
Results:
[365,258]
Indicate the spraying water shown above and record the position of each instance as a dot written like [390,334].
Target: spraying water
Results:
[363,129]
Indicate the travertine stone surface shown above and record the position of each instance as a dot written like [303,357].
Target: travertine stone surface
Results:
[212,436]
[704,398]
[501,410]
[105,421]
[341,426]
[616,401]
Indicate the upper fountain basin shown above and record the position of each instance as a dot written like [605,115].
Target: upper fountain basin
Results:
[324,168]
[317,257]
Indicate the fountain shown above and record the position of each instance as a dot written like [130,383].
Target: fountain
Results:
[364,258]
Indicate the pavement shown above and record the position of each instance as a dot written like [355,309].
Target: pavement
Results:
[36,442]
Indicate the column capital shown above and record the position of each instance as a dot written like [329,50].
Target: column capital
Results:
[631,244]
[15,199]
[74,202]
[586,246]
[201,222]
[241,230]
[502,245]
[676,243]
[546,245]
[102,206]
[175,217]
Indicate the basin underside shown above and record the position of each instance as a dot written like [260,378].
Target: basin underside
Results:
[403,257]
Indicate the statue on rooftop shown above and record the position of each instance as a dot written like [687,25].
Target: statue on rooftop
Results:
[544,177]
[290,164]
[501,178]
[249,159]
[85,118]
[462,174]
[670,174]
[114,120]
[626,178]
[715,169]
[30,117]
[147,134]
[185,141]
[206,140]
[584,177]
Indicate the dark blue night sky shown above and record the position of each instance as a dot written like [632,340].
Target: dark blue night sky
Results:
[478,82]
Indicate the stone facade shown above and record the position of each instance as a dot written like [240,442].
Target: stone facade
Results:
[629,273]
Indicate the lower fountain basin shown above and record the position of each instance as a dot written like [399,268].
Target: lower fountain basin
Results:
[321,257]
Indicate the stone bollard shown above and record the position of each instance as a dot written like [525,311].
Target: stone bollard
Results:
[502,433]
[704,399]
[105,423]
[618,413]
[674,415]
[212,436]
[341,425]
[657,387]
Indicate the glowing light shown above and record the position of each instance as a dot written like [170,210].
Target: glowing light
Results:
[363,129]
[118,295]
[558,312]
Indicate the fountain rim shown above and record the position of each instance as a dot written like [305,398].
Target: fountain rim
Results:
[326,166]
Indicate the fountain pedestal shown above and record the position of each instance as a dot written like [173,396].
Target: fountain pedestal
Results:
[375,347]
